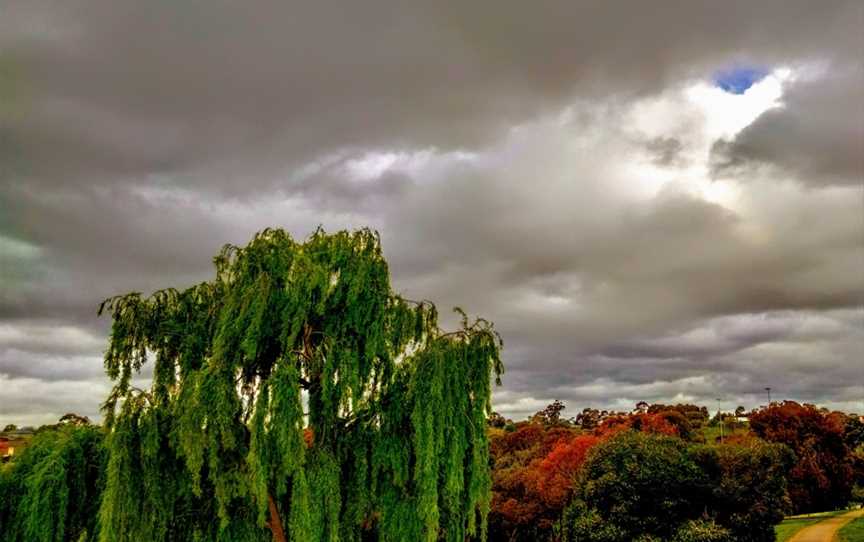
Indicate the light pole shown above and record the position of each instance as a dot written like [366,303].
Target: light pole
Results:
[720,418]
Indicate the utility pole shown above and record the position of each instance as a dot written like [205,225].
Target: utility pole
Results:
[769,396]
[720,418]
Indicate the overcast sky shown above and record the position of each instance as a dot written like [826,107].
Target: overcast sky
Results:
[658,201]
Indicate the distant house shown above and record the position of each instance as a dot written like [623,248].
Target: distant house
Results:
[12,442]
[7,448]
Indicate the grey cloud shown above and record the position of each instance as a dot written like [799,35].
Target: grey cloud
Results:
[30,401]
[792,360]
[17,364]
[486,143]
[666,150]
[27,337]
[120,89]
[570,271]
[616,267]
[817,136]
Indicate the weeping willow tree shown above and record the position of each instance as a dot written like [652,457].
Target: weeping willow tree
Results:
[50,493]
[296,397]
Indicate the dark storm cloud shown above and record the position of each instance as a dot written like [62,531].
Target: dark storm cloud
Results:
[817,136]
[104,240]
[114,89]
[488,143]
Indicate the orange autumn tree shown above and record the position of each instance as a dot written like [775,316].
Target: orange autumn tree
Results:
[557,471]
[520,510]
[534,465]
[657,423]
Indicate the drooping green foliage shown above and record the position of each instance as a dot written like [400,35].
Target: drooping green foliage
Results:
[294,340]
[51,492]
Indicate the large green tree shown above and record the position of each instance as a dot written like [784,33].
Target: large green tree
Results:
[636,485]
[296,396]
[647,487]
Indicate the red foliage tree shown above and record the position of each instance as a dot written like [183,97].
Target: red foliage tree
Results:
[557,471]
[532,476]
[657,423]
[823,475]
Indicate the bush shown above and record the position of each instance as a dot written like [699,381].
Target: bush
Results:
[639,484]
[702,531]
[660,488]
[750,495]
[581,524]
[645,483]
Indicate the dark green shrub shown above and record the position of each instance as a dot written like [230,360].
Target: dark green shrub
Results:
[660,488]
[581,524]
[750,495]
[638,484]
[702,531]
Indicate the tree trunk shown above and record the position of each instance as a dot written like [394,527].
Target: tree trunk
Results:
[275,522]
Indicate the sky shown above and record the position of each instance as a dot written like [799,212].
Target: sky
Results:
[659,201]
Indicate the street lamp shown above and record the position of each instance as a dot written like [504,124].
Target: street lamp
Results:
[720,418]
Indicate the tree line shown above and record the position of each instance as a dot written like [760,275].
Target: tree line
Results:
[664,473]
[657,474]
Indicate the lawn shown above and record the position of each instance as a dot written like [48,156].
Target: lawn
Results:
[853,531]
[791,525]
[712,432]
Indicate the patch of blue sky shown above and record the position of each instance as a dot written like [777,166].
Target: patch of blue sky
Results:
[738,79]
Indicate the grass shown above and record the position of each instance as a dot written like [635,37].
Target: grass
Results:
[853,531]
[791,525]
[712,432]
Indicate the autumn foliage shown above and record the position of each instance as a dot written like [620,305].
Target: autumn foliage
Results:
[823,475]
[535,466]
[530,485]
[657,423]
[792,458]
[558,469]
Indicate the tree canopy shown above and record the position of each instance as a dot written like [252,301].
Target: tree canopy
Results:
[823,475]
[296,396]
[650,487]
